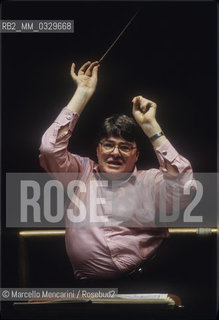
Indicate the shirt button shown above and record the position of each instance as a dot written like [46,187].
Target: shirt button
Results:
[68,117]
[108,239]
[115,258]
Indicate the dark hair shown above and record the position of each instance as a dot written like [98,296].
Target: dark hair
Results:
[120,125]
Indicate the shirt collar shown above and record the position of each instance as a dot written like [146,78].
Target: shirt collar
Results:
[131,179]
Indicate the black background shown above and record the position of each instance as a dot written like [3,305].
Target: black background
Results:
[168,54]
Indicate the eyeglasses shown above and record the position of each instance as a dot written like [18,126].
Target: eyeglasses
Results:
[109,146]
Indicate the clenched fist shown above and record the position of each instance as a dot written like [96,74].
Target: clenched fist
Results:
[144,110]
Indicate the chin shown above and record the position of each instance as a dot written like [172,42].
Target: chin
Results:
[114,169]
[114,173]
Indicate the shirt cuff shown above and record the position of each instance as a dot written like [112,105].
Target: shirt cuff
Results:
[67,116]
[166,152]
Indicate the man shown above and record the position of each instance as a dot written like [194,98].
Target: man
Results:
[110,251]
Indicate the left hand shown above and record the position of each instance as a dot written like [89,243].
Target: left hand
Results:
[144,110]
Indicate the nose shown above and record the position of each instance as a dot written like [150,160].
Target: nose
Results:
[116,151]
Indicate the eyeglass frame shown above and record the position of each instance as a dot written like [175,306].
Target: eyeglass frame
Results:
[116,145]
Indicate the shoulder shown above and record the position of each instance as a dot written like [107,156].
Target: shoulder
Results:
[84,163]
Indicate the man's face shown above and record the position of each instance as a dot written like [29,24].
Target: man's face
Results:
[116,155]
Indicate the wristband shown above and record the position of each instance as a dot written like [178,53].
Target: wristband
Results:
[156,136]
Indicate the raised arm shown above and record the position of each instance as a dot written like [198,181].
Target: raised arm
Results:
[175,173]
[54,156]
[86,82]
[144,112]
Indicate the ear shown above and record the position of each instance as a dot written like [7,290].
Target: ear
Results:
[98,149]
[137,155]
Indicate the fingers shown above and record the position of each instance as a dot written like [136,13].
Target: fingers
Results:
[142,104]
[95,72]
[136,103]
[136,108]
[84,67]
[73,74]
[90,69]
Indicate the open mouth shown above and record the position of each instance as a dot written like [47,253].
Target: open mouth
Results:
[115,162]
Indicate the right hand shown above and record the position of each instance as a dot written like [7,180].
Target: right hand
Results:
[87,76]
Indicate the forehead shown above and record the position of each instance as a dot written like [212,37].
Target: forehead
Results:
[118,140]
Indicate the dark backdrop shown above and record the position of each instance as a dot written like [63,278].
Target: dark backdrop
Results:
[168,54]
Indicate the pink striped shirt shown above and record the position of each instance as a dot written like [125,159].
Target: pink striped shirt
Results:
[107,252]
